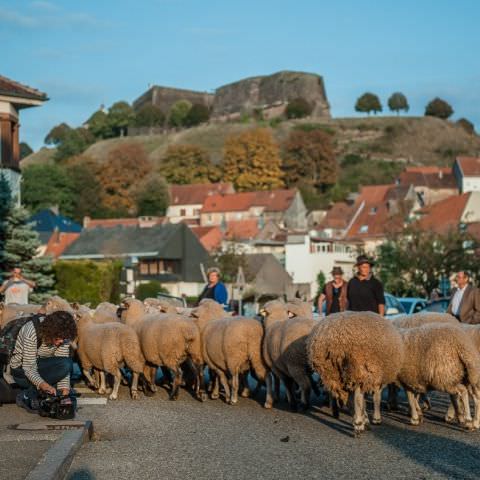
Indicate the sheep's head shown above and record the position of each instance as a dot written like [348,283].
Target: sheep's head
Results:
[208,310]
[297,308]
[55,304]
[130,307]
[155,305]
[274,311]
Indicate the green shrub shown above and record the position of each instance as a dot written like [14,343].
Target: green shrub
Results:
[298,108]
[86,281]
[149,290]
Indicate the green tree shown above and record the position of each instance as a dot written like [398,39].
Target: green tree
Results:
[46,185]
[86,189]
[149,116]
[120,116]
[57,134]
[74,143]
[438,108]
[298,108]
[184,164]
[21,248]
[198,114]
[25,150]
[412,264]
[152,198]
[98,125]
[251,161]
[5,206]
[229,260]
[149,290]
[398,101]
[467,125]
[178,113]
[367,103]
[309,158]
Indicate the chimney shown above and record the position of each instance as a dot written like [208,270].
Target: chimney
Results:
[86,221]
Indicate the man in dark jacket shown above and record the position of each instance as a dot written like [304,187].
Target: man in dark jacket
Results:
[465,302]
[364,291]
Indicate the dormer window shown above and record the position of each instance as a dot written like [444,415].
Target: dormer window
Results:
[373,211]
[363,229]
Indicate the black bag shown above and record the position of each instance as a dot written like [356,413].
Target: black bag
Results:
[9,334]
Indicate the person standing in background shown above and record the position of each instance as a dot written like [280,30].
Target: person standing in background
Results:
[214,289]
[334,293]
[17,288]
[465,302]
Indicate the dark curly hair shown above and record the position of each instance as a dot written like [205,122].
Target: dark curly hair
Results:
[58,325]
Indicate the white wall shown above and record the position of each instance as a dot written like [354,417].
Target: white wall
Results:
[471,212]
[470,184]
[191,211]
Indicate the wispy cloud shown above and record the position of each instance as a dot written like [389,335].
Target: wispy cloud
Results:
[18,19]
[42,5]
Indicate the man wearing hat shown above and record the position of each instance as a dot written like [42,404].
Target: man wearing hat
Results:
[364,291]
[334,293]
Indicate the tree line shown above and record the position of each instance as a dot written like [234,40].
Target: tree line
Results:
[126,183]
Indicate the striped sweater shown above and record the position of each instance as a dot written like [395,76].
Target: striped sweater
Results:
[26,353]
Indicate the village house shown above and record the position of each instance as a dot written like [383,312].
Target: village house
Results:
[13,97]
[467,174]
[170,254]
[186,201]
[431,184]
[284,207]
[146,221]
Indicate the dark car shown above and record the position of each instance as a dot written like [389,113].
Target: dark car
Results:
[439,305]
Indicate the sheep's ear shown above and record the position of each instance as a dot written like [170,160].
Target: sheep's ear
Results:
[291,314]
[75,305]
[2,306]
[263,312]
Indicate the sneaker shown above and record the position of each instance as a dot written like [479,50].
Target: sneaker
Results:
[24,402]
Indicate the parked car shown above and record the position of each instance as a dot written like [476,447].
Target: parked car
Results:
[393,307]
[413,305]
[439,305]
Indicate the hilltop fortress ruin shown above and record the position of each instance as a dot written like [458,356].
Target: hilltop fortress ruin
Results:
[269,94]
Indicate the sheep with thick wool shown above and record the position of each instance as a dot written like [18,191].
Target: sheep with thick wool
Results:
[423,318]
[284,349]
[356,353]
[105,312]
[107,347]
[12,311]
[441,357]
[232,346]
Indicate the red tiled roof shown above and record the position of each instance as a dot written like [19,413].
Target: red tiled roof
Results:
[444,215]
[58,242]
[338,217]
[474,230]
[210,237]
[14,89]
[125,222]
[242,229]
[271,200]
[428,176]
[470,166]
[197,193]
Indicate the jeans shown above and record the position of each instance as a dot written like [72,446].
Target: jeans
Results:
[51,369]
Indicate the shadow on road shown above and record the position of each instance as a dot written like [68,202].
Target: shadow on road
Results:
[446,456]
[81,474]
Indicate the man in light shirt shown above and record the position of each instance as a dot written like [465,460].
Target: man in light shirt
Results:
[465,302]
[17,288]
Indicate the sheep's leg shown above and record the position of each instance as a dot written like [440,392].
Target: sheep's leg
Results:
[103,387]
[150,373]
[314,385]
[476,402]
[269,394]
[359,412]
[200,391]
[303,381]
[134,388]
[89,377]
[177,381]
[234,390]
[290,389]
[465,410]
[426,404]
[377,402]
[414,416]
[116,386]
[244,387]
[215,394]
[333,401]
[276,395]
[453,410]
[224,382]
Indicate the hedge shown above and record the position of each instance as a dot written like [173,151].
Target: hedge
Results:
[149,290]
[86,281]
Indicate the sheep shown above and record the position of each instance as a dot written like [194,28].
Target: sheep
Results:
[105,312]
[231,347]
[358,353]
[423,318]
[441,357]
[154,305]
[56,303]
[106,347]
[13,310]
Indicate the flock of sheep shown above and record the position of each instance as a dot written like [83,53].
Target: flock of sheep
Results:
[353,353]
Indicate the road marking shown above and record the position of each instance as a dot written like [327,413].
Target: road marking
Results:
[91,401]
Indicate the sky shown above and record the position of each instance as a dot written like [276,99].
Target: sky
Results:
[86,53]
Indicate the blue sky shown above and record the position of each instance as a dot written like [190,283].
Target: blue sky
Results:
[87,53]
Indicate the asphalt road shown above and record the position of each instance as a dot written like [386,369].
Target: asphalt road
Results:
[156,438]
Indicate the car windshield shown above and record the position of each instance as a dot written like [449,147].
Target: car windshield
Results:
[393,303]
[406,304]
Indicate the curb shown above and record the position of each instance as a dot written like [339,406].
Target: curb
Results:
[56,462]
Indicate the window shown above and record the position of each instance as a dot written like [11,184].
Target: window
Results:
[183,212]
[363,229]
[373,210]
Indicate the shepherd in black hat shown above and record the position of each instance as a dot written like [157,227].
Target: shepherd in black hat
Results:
[334,293]
[364,291]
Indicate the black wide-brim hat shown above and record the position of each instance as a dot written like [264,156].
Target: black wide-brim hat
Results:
[337,271]
[361,259]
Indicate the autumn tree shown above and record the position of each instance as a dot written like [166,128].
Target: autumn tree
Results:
[252,161]
[368,102]
[438,108]
[124,168]
[184,164]
[398,101]
[309,159]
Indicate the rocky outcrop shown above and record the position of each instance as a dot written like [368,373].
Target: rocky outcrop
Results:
[165,97]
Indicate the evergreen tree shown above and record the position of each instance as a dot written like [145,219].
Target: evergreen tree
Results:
[21,247]
[5,205]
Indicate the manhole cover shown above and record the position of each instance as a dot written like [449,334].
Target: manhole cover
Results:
[60,425]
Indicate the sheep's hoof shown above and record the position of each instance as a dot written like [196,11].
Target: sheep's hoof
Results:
[153,388]
[101,391]
[232,402]
[376,421]
[469,426]
[415,422]
[245,393]
[358,429]
[214,396]
[450,419]
[268,405]
[202,397]
[134,395]
[113,396]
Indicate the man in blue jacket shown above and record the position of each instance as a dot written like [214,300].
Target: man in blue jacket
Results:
[214,289]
